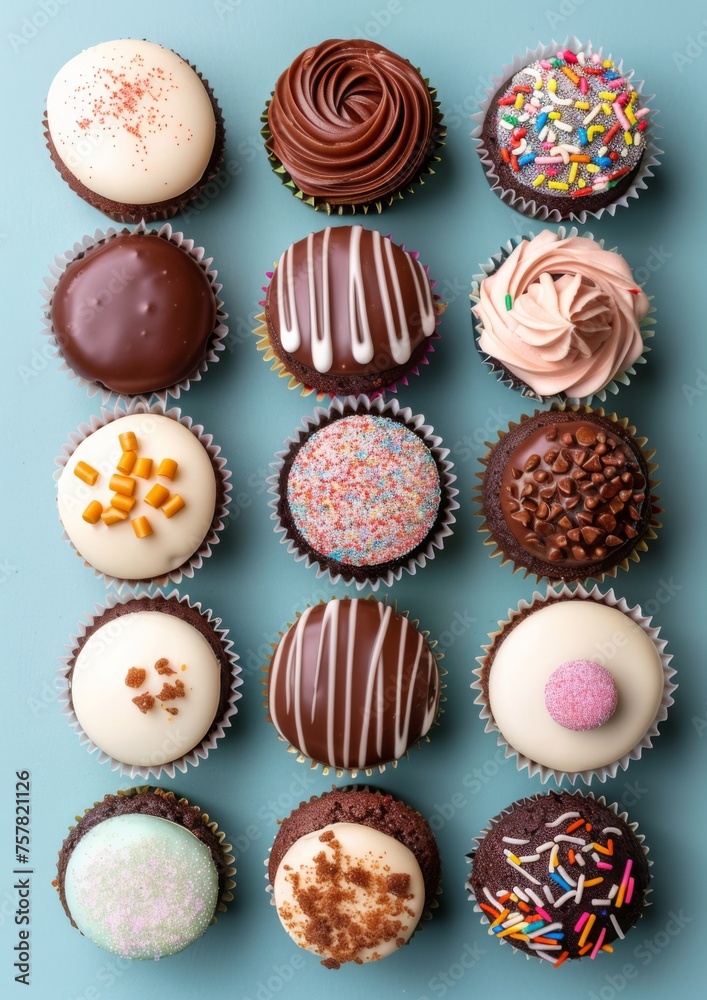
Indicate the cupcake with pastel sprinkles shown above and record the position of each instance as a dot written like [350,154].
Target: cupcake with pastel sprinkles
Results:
[575,684]
[567,133]
[560,876]
[143,873]
[363,491]
[133,129]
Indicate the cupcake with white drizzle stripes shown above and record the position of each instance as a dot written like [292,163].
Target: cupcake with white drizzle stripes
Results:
[560,876]
[346,312]
[353,685]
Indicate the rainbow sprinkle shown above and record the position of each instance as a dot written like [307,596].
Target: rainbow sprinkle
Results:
[577,103]
[364,490]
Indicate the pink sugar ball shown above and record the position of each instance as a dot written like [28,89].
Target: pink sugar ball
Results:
[581,695]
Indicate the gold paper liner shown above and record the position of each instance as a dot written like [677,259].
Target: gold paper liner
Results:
[641,545]
[328,769]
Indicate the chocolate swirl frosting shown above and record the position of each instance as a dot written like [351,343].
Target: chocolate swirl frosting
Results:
[351,122]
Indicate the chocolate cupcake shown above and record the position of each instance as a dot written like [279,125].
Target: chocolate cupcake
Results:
[143,873]
[352,126]
[133,129]
[135,312]
[558,316]
[142,495]
[376,868]
[566,134]
[347,311]
[363,491]
[560,876]
[575,684]
[151,683]
[352,685]
[567,494]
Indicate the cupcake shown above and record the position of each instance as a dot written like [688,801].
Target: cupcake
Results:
[364,492]
[560,876]
[567,494]
[135,313]
[567,133]
[133,129]
[575,684]
[143,873]
[347,311]
[557,315]
[352,873]
[352,685]
[352,126]
[151,684]
[142,496]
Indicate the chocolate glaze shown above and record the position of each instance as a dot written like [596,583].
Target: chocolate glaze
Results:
[351,122]
[325,268]
[134,313]
[353,684]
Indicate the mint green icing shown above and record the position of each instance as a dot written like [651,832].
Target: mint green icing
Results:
[141,886]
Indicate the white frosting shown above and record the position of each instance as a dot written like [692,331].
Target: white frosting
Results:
[103,702]
[115,550]
[558,632]
[132,121]
[361,848]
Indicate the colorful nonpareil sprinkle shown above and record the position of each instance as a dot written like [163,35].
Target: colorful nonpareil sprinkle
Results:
[579,115]
[363,490]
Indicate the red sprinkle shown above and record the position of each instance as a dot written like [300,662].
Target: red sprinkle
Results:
[507,100]
[514,163]
[522,90]
[642,125]
[569,56]
[580,192]
[505,155]
[611,133]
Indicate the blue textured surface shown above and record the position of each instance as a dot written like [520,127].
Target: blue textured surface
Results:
[460,779]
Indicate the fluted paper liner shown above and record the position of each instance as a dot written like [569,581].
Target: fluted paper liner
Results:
[503,374]
[216,731]
[223,486]
[608,598]
[526,205]
[214,345]
[445,518]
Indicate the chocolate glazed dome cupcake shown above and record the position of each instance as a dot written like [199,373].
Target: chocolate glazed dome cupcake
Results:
[351,126]
[567,495]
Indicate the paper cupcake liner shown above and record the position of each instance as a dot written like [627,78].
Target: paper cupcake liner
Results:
[159,210]
[263,337]
[327,769]
[527,206]
[614,806]
[641,546]
[217,730]
[428,911]
[216,340]
[226,893]
[504,375]
[437,141]
[608,598]
[223,488]
[445,519]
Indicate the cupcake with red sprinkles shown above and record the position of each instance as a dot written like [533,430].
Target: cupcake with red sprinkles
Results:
[566,132]
[363,491]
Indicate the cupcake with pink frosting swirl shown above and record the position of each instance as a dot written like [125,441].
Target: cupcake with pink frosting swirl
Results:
[558,316]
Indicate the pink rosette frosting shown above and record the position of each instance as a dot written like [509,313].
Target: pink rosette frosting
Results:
[562,314]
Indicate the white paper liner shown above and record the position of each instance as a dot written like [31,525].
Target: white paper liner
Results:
[609,599]
[222,473]
[614,806]
[215,342]
[327,769]
[262,333]
[504,375]
[646,166]
[208,743]
[416,422]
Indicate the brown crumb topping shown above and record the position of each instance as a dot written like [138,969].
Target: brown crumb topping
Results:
[162,666]
[135,677]
[171,691]
[172,711]
[144,702]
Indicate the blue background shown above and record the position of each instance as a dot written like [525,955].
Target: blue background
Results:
[460,779]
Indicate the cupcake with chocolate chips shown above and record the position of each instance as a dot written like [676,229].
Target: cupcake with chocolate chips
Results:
[575,684]
[560,876]
[568,494]
[375,865]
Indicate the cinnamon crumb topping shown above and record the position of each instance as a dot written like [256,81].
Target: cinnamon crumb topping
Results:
[162,666]
[144,702]
[171,691]
[135,677]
